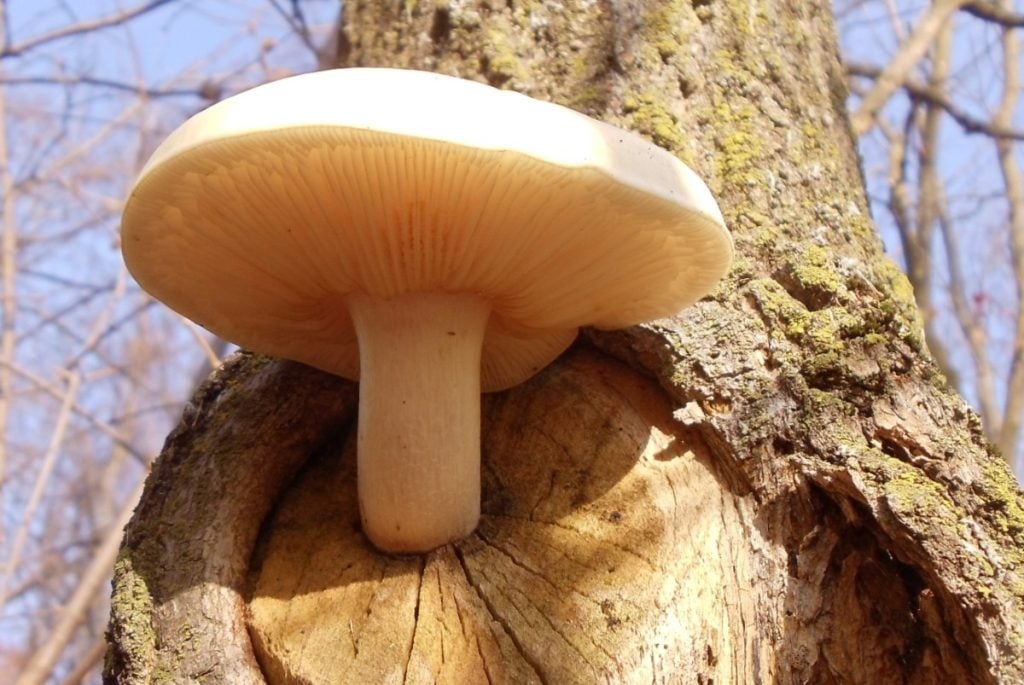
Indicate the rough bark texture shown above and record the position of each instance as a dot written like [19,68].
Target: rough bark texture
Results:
[178,606]
[775,486]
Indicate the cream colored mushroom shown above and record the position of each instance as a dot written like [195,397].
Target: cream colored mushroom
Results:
[428,236]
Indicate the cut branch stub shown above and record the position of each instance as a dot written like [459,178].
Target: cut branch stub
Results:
[618,525]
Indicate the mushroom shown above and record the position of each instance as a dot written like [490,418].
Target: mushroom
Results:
[428,236]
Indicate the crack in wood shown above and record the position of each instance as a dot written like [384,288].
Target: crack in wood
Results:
[539,574]
[546,497]
[483,661]
[496,617]
[604,541]
[416,624]
[543,614]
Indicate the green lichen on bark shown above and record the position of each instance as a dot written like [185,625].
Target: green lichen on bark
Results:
[664,29]
[813,274]
[1004,496]
[649,116]
[500,61]
[740,148]
[915,498]
[131,631]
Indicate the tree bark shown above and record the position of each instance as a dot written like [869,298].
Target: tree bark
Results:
[775,486]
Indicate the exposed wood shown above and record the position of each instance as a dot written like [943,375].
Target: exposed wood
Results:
[609,551]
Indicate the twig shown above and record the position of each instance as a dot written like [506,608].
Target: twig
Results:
[933,204]
[972,329]
[297,22]
[212,355]
[931,95]
[8,265]
[101,83]
[990,11]
[1013,413]
[42,479]
[929,198]
[87,663]
[115,435]
[896,72]
[101,325]
[41,663]
[900,201]
[13,50]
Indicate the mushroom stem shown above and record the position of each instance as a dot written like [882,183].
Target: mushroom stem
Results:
[419,417]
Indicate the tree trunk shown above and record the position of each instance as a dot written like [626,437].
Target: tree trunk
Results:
[775,486]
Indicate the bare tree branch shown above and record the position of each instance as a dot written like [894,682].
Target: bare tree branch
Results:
[88,663]
[74,612]
[929,94]
[15,49]
[1009,164]
[41,481]
[971,327]
[929,194]
[898,70]
[297,20]
[900,200]
[5,27]
[990,11]
[110,431]
[931,200]
[8,267]
[101,83]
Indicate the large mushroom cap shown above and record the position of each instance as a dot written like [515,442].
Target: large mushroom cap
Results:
[260,214]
